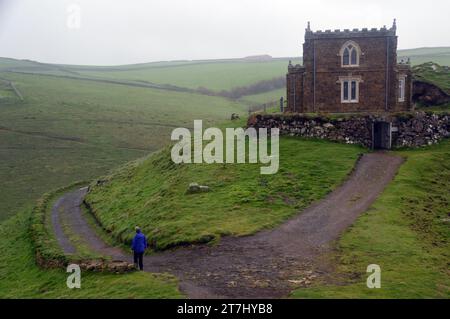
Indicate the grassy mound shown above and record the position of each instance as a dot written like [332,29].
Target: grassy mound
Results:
[22,278]
[152,193]
[406,232]
[433,73]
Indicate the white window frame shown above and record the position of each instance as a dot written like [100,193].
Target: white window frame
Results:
[357,49]
[401,88]
[349,80]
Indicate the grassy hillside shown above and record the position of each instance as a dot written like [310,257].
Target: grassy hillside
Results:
[67,130]
[262,98]
[212,75]
[440,55]
[21,278]
[152,193]
[216,75]
[433,73]
[406,232]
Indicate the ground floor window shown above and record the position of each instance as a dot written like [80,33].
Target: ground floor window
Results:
[350,90]
[401,88]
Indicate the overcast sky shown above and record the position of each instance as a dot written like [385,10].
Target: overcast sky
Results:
[113,32]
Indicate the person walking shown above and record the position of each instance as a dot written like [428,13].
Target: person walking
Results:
[138,245]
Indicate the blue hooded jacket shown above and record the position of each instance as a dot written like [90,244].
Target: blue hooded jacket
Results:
[139,243]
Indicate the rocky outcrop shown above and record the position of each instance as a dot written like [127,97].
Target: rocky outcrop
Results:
[428,94]
[407,129]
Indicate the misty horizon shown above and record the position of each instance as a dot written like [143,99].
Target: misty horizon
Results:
[195,60]
[111,34]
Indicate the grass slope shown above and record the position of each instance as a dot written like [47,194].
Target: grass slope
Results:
[406,232]
[215,76]
[270,96]
[151,193]
[433,73]
[67,130]
[440,55]
[21,278]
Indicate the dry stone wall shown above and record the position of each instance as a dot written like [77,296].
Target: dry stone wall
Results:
[408,129]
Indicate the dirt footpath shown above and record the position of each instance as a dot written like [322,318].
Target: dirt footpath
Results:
[269,264]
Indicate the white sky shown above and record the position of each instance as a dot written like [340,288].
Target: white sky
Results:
[131,31]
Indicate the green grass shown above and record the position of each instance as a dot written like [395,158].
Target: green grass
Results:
[440,55]
[21,278]
[271,96]
[406,232]
[67,130]
[433,73]
[215,75]
[6,92]
[151,193]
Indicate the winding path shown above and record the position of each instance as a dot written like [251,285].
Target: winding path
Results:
[266,265]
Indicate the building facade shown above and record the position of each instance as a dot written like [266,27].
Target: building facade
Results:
[349,71]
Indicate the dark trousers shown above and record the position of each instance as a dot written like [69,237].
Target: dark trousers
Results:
[139,260]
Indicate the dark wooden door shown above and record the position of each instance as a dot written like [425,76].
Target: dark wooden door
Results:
[381,135]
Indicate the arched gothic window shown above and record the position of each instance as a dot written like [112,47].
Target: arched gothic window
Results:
[350,53]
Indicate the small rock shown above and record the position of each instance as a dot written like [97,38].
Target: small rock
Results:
[196,188]
[234,116]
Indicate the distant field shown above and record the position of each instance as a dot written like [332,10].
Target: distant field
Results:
[67,130]
[439,55]
[215,75]
[211,75]
[261,98]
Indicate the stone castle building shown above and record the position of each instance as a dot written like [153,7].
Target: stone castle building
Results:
[349,71]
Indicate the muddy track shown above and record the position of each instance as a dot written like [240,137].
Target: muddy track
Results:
[266,265]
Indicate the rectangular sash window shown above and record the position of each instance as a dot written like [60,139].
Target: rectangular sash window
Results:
[350,91]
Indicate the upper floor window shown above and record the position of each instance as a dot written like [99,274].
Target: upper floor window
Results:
[350,53]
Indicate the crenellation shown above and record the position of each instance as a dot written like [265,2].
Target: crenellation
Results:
[364,32]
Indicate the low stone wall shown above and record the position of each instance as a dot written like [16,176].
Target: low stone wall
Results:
[408,129]
[47,251]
